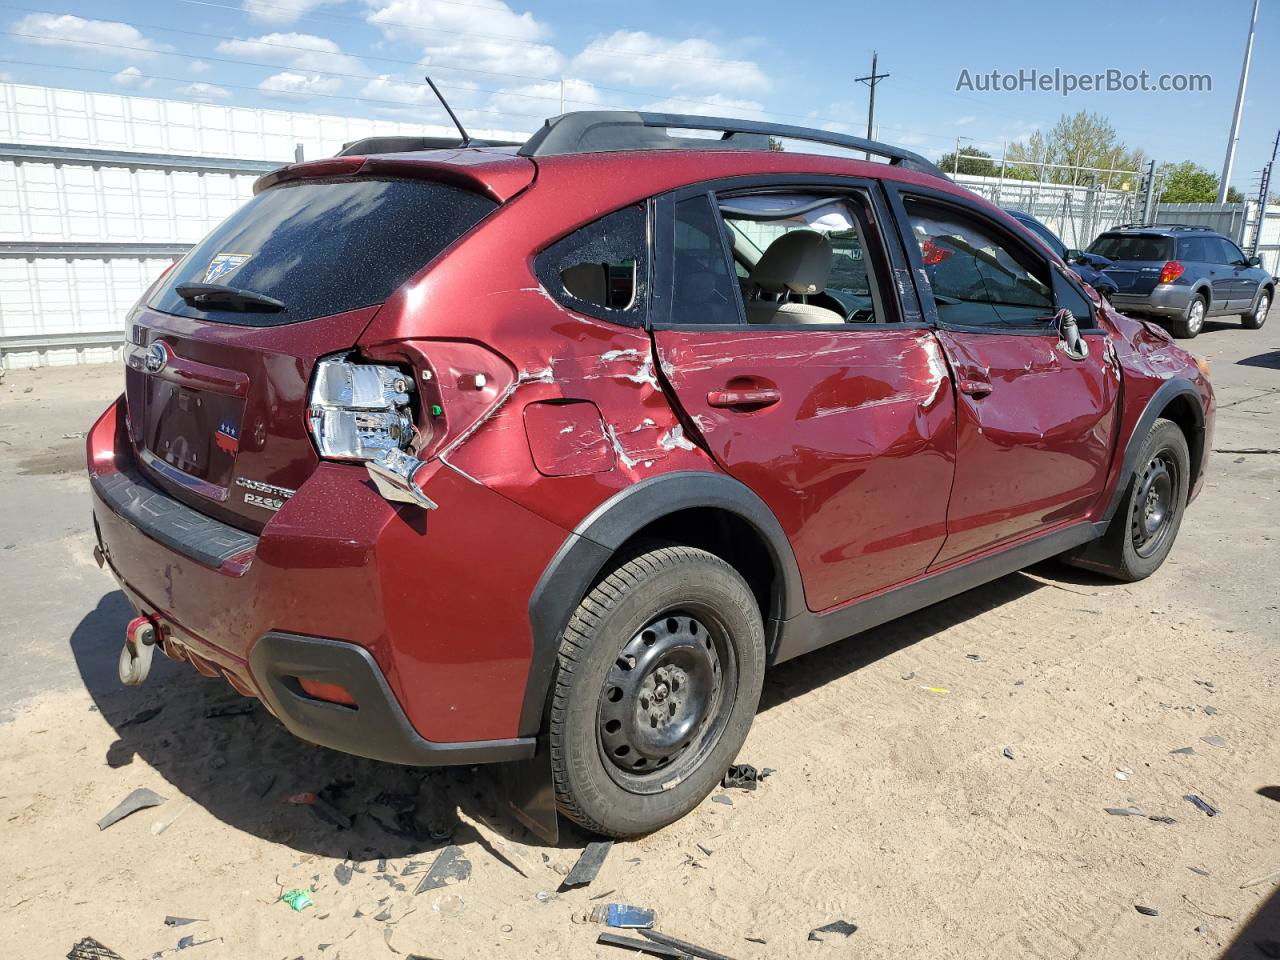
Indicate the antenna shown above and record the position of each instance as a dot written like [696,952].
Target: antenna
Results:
[466,139]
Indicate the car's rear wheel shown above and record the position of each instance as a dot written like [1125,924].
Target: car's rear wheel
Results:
[1255,319]
[657,682]
[1189,325]
[1142,532]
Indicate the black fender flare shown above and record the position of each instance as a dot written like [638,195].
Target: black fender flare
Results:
[586,551]
[1170,389]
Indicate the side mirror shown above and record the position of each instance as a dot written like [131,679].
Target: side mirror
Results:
[1073,255]
[1254,261]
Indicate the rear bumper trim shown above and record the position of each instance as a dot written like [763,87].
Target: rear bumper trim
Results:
[377,727]
[169,521]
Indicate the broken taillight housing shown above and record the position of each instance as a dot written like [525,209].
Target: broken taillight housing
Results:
[363,412]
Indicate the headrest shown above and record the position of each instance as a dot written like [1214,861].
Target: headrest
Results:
[799,261]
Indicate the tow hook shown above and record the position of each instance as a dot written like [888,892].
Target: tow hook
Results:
[140,639]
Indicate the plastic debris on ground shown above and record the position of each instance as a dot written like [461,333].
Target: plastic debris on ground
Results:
[321,808]
[450,866]
[935,690]
[1184,750]
[1160,818]
[832,930]
[1123,811]
[1273,875]
[639,946]
[1007,753]
[685,948]
[180,921]
[230,710]
[589,864]
[90,949]
[1215,741]
[1201,805]
[342,873]
[744,776]
[1200,871]
[721,798]
[1146,911]
[298,900]
[1124,773]
[140,799]
[621,915]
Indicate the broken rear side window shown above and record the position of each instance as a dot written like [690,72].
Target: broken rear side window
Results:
[601,269]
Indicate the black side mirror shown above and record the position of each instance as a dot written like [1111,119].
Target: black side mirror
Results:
[1254,261]
[1073,255]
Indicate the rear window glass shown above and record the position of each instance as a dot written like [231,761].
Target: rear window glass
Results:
[1121,246]
[323,247]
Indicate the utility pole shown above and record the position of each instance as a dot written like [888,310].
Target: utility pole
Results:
[871,80]
[562,95]
[1264,191]
[955,157]
[1225,183]
[1148,211]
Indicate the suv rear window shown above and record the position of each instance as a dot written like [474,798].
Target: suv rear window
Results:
[323,246]
[1128,246]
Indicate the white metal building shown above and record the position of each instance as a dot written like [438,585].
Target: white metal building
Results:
[85,227]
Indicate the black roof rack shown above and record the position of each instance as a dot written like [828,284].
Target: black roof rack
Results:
[1164,226]
[604,131]
[371,145]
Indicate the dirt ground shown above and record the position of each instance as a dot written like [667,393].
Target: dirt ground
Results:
[895,805]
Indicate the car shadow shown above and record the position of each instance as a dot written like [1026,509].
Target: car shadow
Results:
[813,670]
[227,754]
[1261,935]
[1268,361]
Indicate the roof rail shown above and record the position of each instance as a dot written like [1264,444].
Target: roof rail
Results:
[372,145]
[1163,226]
[603,131]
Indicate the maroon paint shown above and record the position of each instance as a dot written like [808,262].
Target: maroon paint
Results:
[858,470]
[567,439]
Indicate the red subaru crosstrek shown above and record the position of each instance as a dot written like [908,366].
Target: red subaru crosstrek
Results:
[465,454]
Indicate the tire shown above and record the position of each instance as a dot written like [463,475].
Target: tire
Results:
[1189,325]
[1139,539]
[671,636]
[1258,316]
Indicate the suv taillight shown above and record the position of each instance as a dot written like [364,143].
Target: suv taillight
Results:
[1171,272]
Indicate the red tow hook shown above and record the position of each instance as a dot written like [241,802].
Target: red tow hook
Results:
[140,639]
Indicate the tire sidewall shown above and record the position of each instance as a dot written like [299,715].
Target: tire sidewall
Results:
[1194,329]
[1164,435]
[1252,321]
[697,578]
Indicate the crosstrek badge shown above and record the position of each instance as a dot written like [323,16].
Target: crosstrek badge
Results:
[223,264]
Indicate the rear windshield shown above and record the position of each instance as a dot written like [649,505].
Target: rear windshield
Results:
[323,247]
[1129,246]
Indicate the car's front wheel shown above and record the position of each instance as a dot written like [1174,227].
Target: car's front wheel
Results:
[657,681]
[1142,532]
[1189,325]
[1255,319]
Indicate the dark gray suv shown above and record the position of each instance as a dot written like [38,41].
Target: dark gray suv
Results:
[1184,274]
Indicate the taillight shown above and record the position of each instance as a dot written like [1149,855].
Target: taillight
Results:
[932,254]
[361,412]
[1171,272]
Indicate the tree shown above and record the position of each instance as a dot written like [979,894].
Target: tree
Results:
[975,162]
[1076,141]
[1188,182]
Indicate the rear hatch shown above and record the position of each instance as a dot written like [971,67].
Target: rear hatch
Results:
[1137,259]
[223,348]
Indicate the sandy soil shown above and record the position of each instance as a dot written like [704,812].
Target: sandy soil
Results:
[893,807]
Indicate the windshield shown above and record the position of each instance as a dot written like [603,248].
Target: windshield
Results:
[320,247]
[1131,246]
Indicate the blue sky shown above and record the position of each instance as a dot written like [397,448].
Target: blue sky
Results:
[502,63]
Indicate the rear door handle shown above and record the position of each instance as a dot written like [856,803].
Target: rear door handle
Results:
[754,398]
[975,388]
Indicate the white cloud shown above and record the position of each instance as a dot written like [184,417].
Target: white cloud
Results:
[636,58]
[288,85]
[713,104]
[5,76]
[282,11]
[488,37]
[63,30]
[207,92]
[964,121]
[535,100]
[198,66]
[302,51]
[132,78]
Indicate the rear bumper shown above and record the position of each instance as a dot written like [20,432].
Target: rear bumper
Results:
[422,617]
[1165,300]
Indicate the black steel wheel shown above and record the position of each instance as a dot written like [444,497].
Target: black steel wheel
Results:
[1153,505]
[657,681]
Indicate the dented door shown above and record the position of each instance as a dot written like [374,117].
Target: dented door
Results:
[848,436]
[1036,431]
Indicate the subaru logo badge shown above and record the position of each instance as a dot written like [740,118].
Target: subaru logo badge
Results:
[157,356]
